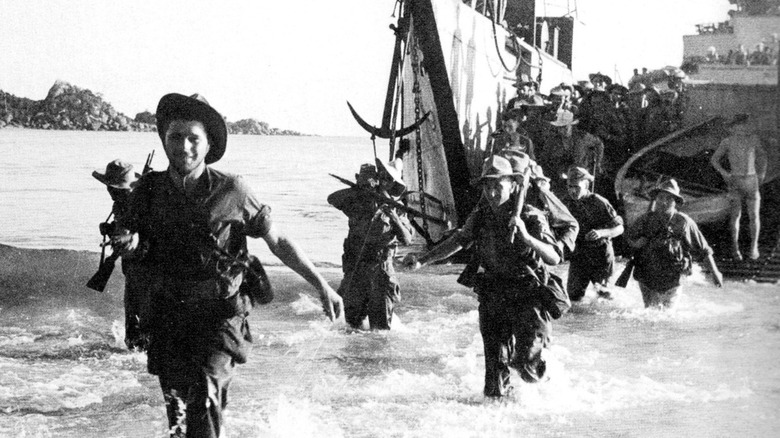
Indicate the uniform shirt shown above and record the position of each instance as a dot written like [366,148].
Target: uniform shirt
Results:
[178,227]
[655,226]
[592,212]
[491,233]
[369,227]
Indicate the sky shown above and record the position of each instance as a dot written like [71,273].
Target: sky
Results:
[291,63]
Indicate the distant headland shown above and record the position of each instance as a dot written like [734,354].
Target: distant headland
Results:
[68,107]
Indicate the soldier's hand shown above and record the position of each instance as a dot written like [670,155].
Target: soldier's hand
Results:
[519,229]
[332,304]
[592,235]
[124,243]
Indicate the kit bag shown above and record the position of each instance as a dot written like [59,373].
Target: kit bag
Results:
[551,293]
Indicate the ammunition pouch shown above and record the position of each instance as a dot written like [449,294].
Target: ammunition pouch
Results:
[256,285]
[469,275]
[550,295]
[554,297]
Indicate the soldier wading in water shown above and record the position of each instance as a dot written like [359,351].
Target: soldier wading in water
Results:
[517,295]
[189,215]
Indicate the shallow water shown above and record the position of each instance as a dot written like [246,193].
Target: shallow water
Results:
[708,367]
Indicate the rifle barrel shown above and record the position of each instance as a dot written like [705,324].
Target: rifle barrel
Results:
[393,203]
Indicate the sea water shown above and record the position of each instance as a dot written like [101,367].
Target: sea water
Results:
[709,367]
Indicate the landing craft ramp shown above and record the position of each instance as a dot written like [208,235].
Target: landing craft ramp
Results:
[764,270]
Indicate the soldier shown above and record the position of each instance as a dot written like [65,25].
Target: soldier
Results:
[526,93]
[190,215]
[120,179]
[664,241]
[370,289]
[600,81]
[567,145]
[593,260]
[518,297]
[512,134]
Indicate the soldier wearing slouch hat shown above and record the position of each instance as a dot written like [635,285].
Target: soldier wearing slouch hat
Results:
[665,242]
[370,288]
[189,216]
[513,245]
[593,259]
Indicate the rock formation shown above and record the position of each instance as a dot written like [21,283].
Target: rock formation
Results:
[68,107]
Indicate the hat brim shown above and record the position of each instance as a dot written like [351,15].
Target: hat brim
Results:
[125,184]
[559,124]
[680,199]
[579,178]
[178,106]
[604,78]
[479,180]
[524,83]
[399,186]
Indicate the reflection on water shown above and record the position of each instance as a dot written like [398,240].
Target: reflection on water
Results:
[615,368]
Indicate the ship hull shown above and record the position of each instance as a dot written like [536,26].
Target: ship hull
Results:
[460,68]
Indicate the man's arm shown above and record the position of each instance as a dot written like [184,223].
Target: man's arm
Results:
[341,198]
[610,232]
[291,255]
[548,252]
[717,276]
[598,152]
[761,162]
[403,229]
[701,250]
[716,157]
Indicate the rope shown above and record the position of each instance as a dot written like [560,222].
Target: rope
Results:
[498,50]
[398,89]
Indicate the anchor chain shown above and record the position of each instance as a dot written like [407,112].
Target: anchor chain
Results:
[418,137]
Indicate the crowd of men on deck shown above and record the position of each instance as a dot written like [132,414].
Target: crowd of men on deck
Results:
[595,124]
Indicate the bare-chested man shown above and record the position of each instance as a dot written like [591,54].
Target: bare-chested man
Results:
[748,163]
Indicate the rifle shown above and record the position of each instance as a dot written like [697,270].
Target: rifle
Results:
[410,211]
[622,281]
[107,264]
[100,279]
[519,202]
[148,165]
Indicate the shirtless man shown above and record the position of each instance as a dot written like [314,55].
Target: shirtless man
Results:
[748,163]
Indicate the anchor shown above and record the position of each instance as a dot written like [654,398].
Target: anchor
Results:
[385,131]
[393,90]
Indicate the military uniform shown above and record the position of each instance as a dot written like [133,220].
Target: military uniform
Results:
[513,318]
[591,261]
[369,288]
[198,328]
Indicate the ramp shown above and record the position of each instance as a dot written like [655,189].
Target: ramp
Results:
[764,270]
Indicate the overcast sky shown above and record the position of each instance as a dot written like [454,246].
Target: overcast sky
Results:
[290,63]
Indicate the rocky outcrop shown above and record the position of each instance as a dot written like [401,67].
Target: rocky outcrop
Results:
[69,107]
[66,107]
[256,127]
[146,117]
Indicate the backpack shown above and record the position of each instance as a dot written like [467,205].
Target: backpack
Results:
[663,260]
